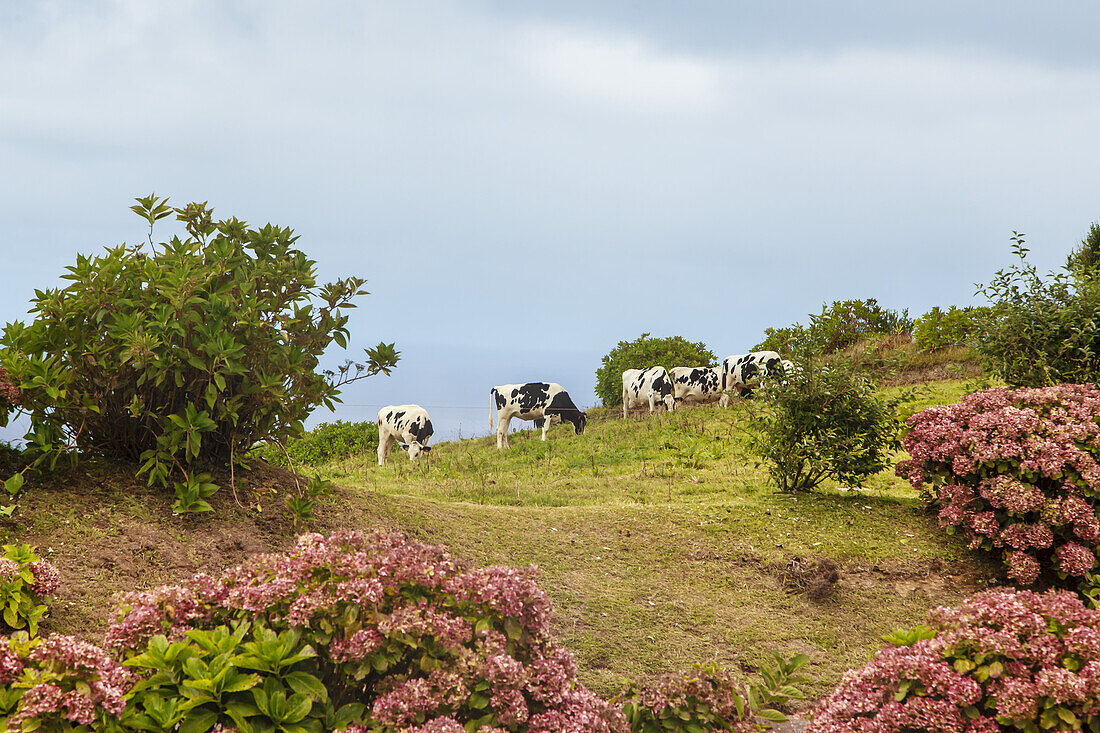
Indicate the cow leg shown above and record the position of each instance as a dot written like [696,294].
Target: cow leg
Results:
[724,400]
[385,441]
[545,427]
[502,431]
[652,403]
[624,402]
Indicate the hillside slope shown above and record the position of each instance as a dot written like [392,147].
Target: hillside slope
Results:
[657,538]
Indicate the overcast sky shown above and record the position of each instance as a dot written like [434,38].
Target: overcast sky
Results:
[525,184]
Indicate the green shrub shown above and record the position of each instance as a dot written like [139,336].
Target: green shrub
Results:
[939,329]
[1042,332]
[188,350]
[708,699]
[824,421]
[645,351]
[838,326]
[326,442]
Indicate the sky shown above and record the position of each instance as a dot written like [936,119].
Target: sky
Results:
[523,185]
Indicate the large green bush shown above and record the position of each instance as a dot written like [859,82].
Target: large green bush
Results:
[939,328]
[822,421]
[646,351]
[193,349]
[838,326]
[1043,332]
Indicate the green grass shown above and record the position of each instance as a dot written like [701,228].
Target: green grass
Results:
[661,541]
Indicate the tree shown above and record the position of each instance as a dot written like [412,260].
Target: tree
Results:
[193,349]
[643,352]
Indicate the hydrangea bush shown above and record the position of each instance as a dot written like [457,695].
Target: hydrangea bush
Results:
[366,633]
[1003,660]
[1016,472]
[58,684]
[393,628]
[710,699]
[25,580]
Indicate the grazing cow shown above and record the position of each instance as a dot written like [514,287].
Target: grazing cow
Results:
[701,384]
[407,424]
[742,371]
[545,403]
[647,386]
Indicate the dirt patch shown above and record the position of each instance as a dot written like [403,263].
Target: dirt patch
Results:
[814,578]
[108,533]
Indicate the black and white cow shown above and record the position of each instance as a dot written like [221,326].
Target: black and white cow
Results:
[700,384]
[742,371]
[650,386]
[406,424]
[547,403]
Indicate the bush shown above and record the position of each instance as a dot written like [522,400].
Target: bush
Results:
[643,352]
[1043,332]
[395,629]
[1016,472]
[326,442]
[938,329]
[188,350]
[1003,660]
[708,699]
[59,684]
[820,422]
[838,326]
[25,580]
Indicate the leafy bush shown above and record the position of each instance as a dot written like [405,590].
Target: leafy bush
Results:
[1016,472]
[708,699]
[188,350]
[25,580]
[820,421]
[1042,332]
[58,684]
[326,442]
[645,351]
[938,329]
[1002,661]
[397,630]
[258,679]
[839,325]
[1083,262]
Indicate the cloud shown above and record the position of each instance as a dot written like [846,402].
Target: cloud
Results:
[617,70]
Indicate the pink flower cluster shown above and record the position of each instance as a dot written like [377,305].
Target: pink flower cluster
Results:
[705,696]
[1004,656]
[451,644]
[61,678]
[9,390]
[1015,471]
[47,578]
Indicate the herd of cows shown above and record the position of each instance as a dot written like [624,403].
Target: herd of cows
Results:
[547,403]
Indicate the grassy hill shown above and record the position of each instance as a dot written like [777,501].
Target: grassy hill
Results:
[658,539]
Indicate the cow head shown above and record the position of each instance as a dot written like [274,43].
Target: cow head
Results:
[670,402]
[579,421]
[415,449]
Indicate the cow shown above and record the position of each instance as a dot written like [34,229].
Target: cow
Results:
[406,424]
[701,384]
[647,386]
[742,371]
[546,403]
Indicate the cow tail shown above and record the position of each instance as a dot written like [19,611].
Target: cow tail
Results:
[492,406]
